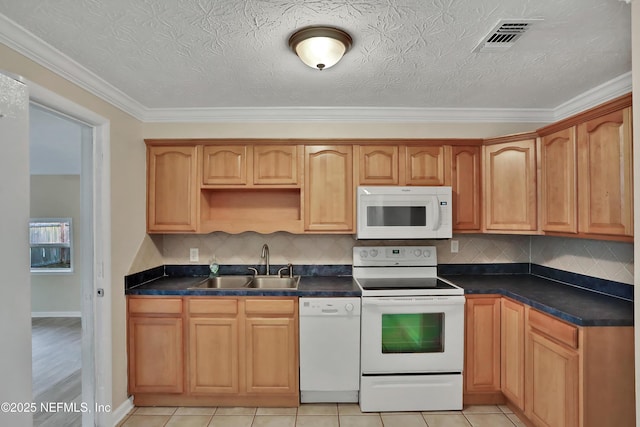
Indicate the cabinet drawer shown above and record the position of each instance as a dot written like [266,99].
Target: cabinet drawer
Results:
[155,305]
[270,306]
[213,306]
[554,328]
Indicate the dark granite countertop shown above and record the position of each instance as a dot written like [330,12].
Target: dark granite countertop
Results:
[576,305]
[592,302]
[309,286]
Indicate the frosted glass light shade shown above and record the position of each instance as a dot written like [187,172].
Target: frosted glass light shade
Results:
[320,47]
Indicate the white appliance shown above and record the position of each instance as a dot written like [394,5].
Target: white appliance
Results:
[412,344]
[329,349]
[404,213]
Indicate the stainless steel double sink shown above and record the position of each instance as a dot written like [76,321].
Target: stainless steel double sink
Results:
[248,282]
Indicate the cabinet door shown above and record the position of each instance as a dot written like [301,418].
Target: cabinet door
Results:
[275,164]
[328,196]
[558,164]
[512,351]
[171,189]
[552,383]
[465,183]
[510,186]
[213,355]
[482,342]
[378,165]
[225,164]
[271,355]
[605,192]
[425,165]
[271,345]
[156,348]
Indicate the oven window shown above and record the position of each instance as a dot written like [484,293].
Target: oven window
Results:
[396,216]
[413,333]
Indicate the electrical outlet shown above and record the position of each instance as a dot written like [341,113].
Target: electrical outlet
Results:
[194,255]
[454,246]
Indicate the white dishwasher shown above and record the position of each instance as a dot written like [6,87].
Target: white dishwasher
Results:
[329,349]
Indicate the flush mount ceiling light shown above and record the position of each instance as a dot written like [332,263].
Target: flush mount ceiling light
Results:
[320,47]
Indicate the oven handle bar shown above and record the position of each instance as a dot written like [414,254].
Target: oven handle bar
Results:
[435,300]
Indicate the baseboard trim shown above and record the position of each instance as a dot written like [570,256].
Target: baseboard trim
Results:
[119,414]
[56,314]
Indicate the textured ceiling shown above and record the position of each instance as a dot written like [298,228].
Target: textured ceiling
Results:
[407,53]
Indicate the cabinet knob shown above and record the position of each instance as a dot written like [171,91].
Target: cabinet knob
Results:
[348,307]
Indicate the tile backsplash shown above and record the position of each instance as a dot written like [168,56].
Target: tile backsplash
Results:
[602,259]
[606,260]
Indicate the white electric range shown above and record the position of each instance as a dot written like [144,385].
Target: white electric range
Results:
[412,333]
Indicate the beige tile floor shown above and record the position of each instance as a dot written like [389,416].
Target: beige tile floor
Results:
[318,415]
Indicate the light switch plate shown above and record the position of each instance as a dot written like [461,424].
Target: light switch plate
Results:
[454,246]
[194,256]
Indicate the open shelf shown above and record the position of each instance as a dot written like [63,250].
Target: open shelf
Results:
[261,210]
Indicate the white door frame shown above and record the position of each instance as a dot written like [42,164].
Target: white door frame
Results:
[96,311]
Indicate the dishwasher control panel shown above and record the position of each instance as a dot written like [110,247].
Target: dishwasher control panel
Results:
[330,306]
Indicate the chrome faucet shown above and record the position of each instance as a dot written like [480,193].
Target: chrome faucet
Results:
[265,255]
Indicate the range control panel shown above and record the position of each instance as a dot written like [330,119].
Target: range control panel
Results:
[394,256]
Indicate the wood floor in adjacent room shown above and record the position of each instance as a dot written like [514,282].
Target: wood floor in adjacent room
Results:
[57,363]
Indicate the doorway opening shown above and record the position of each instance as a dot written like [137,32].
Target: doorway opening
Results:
[57,235]
[93,253]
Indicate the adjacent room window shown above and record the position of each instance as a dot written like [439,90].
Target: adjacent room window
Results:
[51,245]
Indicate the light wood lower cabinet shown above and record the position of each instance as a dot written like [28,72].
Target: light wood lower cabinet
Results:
[239,351]
[551,372]
[482,355]
[552,382]
[155,345]
[214,345]
[512,351]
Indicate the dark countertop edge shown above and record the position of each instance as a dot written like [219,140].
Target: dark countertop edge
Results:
[240,293]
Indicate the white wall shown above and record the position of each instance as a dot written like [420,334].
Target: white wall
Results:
[57,196]
[15,302]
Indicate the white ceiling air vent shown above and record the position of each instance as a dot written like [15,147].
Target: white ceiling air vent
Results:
[504,35]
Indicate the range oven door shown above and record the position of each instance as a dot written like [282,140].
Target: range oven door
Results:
[422,334]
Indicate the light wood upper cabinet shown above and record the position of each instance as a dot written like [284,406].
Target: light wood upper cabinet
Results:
[510,186]
[512,351]
[482,344]
[605,175]
[225,164]
[275,164]
[558,181]
[328,195]
[378,165]
[249,165]
[425,165]
[172,189]
[465,185]
[155,346]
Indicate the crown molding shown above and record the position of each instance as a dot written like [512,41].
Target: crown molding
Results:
[349,114]
[24,42]
[607,91]
[41,52]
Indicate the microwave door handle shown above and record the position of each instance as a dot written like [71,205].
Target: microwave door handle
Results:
[436,213]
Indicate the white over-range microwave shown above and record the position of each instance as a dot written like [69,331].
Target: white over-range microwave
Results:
[404,213]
